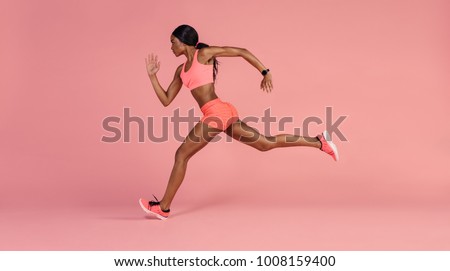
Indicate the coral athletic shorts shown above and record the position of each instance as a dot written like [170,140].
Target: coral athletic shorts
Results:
[219,114]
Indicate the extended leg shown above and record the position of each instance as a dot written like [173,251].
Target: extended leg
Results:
[198,138]
[250,136]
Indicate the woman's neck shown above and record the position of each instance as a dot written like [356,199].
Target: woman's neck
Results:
[190,52]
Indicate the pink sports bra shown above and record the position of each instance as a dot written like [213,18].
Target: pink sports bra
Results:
[198,75]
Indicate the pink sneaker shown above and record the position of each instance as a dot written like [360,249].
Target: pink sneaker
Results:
[328,146]
[153,207]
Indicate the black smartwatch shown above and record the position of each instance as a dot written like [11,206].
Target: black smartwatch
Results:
[264,72]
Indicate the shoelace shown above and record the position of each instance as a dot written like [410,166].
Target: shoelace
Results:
[153,203]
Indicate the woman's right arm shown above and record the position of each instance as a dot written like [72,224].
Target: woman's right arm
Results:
[166,97]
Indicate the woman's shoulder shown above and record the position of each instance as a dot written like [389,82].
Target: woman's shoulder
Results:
[179,69]
[205,55]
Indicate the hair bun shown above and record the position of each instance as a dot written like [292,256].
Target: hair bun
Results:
[201,45]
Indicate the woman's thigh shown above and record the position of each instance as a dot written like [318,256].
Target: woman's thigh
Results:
[241,131]
[197,138]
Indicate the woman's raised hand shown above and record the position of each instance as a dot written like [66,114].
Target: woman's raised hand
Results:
[152,64]
[266,83]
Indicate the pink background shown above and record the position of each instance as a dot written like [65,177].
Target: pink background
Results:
[67,65]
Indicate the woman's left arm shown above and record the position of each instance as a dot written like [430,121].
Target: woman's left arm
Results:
[216,51]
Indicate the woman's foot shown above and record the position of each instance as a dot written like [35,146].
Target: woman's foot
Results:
[154,208]
[328,146]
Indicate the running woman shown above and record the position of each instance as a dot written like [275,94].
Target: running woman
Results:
[198,74]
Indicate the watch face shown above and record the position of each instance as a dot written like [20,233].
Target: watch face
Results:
[264,72]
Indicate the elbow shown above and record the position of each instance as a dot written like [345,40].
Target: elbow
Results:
[167,102]
[243,52]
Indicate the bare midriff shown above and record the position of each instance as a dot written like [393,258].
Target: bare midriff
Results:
[204,94]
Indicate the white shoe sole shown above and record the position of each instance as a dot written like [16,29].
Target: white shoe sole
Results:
[327,137]
[150,212]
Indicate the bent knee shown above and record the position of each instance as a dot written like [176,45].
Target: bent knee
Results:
[265,145]
[182,155]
